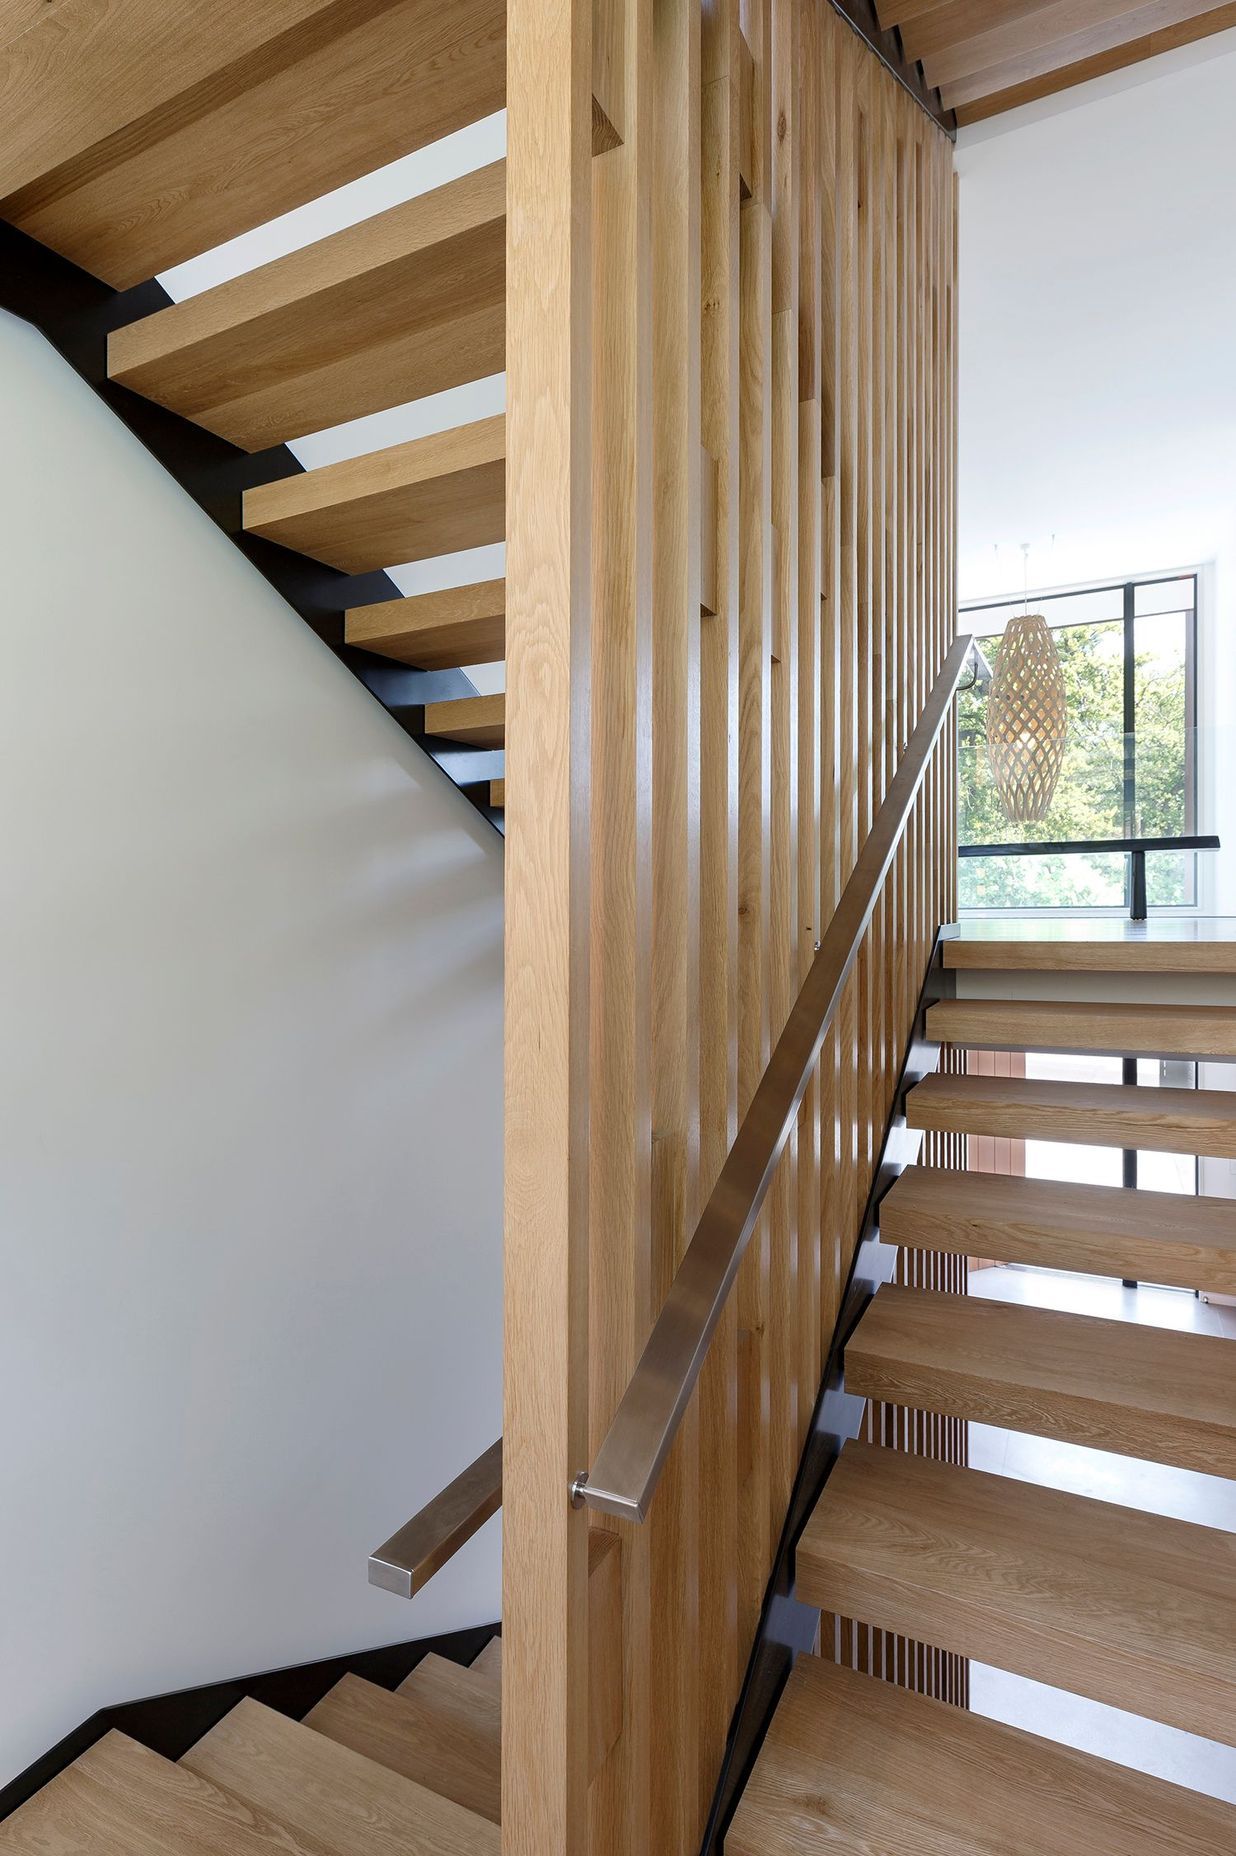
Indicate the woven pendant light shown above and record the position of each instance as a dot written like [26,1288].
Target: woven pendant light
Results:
[1027,714]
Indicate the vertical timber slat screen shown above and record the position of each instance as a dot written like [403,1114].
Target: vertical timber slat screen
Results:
[731,462]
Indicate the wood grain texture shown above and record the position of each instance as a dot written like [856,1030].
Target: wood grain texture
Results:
[1004,89]
[1130,1608]
[1098,35]
[1178,1121]
[547,1000]
[1183,955]
[455,1753]
[497,794]
[425,497]
[1110,1385]
[407,303]
[338,1799]
[127,181]
[909,1776]
[1139,1236]
[1053,1025]
[119,1799]
[489,1665]
[477,721]
[435,631]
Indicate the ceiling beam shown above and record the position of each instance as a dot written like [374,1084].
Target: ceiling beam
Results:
[955,21]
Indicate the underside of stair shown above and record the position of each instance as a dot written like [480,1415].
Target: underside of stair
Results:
[405,304]
[1110,1385]
[854,1766]
[429,496]
[435,631]
[131,150]
[1160,1237]
[1131,1609]
[1200,1031]
[1178,1121]
[338,1799]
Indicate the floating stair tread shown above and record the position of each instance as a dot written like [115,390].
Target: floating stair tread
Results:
[475,721]
[853,1765]
[1109,1385]
[1049,1024]
[425,497]
[338,1799]
[404,304]
[497,794]
[489,1662]
[435,631]
[1100,1230]
[1179,955]
[1178,1121]
[1132,1609]
[454,1752]
[119,1799]
[132,150]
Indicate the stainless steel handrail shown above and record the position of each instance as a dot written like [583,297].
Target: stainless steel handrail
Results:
[624,1476]
[410,1558]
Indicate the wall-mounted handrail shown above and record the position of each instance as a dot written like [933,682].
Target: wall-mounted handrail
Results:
[624,1476]
[410,1558]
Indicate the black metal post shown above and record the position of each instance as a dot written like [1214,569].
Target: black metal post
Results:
[1128,1075]
[1137,905]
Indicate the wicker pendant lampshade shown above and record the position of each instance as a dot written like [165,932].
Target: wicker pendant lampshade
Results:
[1027,713]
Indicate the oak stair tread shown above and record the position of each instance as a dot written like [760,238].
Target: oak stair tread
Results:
[1109,1385]
[1202,1031]
[450,1749]
[474,721]
[133,144]
[427,496]
[119,1799]
[497,794]
[435,631]
[854,1765]
[405,304]
[339,1800]
[1162,1237]
[489,1662]
[1097,956]
[1178,1121]
[1132,1609]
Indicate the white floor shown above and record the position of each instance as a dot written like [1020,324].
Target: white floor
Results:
[1126,1738]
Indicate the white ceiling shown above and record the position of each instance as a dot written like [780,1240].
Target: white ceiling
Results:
[1098,328]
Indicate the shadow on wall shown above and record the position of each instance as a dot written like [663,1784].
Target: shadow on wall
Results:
[250,1104]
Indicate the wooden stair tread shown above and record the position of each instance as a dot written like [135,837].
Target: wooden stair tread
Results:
[489,1662]
[148,133]
[1100,1230]
[404,304]
[1110,1385]
[1100,956]
[497,794]
[1132,1609]
[455,1752]
[119,1799]
[425,497]
[1051,1024]
[435,631]
[853,1765]
[342,1801]
[1178,1121]
[476,721]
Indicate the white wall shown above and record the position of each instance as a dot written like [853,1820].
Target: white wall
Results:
[250,990]
[1098,388]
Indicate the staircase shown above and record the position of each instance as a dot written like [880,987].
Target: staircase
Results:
[1132,1609]
[415,1771]
[135,145]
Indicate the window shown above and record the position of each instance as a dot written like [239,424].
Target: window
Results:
[1128,654]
